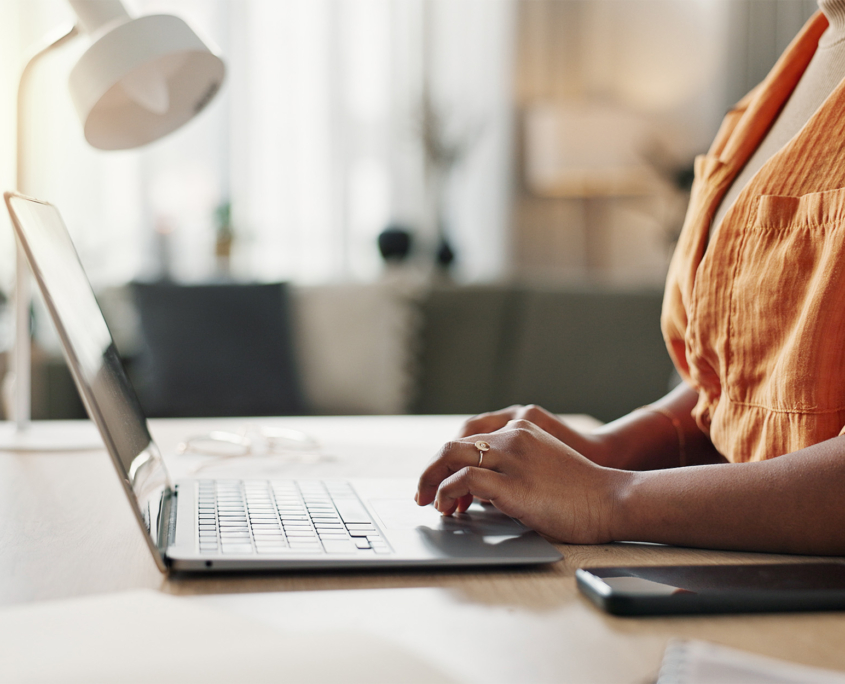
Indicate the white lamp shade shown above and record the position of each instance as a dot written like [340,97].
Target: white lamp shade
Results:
[142,80]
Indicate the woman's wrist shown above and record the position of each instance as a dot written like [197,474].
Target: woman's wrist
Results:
[615,445]
[598,446]
[654,437]
[622,485]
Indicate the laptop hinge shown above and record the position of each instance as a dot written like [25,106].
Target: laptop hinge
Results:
[167,520]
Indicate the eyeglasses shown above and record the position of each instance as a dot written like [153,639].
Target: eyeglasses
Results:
[291,445]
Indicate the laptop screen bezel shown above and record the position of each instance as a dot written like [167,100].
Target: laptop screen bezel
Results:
[154,532]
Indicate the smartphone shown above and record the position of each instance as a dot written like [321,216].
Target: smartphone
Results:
[690,589]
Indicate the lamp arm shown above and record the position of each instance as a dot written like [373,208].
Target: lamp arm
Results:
[95,15]
[50,43]
[22,409]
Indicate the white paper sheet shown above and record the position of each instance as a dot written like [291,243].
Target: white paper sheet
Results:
[699,662]
[147,636]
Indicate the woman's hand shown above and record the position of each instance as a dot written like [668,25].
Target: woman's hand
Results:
[595,447]
[529,475]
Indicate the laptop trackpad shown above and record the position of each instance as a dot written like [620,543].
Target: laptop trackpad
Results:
[402,514]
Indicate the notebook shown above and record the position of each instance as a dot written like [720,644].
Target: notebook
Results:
[244,524]
[700,662]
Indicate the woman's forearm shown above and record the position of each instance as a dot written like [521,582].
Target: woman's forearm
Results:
[648,439]
[791,504]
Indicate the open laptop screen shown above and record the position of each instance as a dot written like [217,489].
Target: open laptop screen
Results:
[92,357]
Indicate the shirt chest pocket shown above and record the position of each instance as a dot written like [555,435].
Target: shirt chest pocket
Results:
[786,333]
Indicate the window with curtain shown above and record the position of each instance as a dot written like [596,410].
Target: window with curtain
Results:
[315,140]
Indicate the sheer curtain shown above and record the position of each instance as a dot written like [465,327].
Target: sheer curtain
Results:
[326,109]
[314,139]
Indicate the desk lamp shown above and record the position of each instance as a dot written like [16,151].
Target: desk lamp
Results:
[138,81]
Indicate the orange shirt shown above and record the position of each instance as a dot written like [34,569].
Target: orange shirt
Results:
[755,320]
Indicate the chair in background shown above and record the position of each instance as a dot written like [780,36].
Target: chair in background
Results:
[465,347]
[591,350]
[573,350]
[215,350]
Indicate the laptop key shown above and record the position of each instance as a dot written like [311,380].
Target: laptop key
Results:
[361,526]
[237,548]
[339,546]
[352,511]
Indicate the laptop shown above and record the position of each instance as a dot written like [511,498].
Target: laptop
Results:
[244,524]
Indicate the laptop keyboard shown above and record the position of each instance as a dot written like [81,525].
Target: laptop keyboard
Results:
[283,517]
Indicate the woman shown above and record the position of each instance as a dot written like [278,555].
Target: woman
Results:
[749,452]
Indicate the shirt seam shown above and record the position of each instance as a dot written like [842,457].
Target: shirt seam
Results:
[773,227]
[770,409]
[732,306]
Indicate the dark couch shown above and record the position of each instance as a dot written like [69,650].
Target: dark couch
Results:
[572,350]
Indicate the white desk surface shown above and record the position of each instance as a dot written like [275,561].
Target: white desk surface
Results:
[67,531]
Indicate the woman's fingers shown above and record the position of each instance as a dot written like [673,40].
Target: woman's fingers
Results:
[468,483]
[486,422]
[453,457]
[465,502]
[540,417]
[495,420]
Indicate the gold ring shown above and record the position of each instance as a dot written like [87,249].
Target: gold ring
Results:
[482,447]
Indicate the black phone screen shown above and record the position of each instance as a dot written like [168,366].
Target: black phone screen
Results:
[715,588]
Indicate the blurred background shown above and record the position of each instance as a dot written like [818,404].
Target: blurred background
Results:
[469,203]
